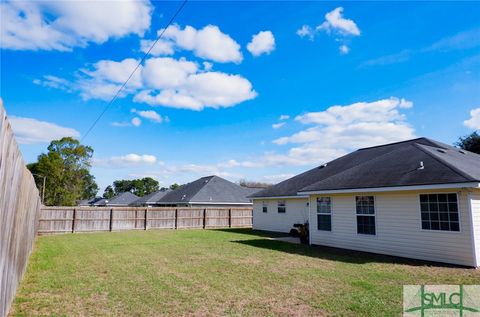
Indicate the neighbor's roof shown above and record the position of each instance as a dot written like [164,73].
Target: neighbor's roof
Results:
[389,165]
[210,189]
[151,198]
[122,199]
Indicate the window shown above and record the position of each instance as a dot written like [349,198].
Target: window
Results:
[264,206]
[324,213]
[365,214]
[439,212]
[282,206]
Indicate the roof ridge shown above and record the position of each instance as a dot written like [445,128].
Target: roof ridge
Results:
[399,142]
[439,159]
[351,167]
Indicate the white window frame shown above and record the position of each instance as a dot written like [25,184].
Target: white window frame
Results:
[440,231]
[284,202]
[324,213]
[264,207]
[374,215]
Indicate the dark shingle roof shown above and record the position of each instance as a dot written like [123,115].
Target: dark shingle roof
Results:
[388,165]
[210,189]
[122,199]
[151,198]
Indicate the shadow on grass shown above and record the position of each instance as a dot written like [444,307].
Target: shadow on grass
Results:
[336,254]
[250,231]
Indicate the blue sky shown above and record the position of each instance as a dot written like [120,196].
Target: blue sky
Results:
[254,90]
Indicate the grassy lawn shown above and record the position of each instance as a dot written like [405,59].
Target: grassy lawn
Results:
[214,272]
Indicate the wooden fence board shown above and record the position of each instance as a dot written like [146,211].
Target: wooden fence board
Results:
[19,214]
[91,219]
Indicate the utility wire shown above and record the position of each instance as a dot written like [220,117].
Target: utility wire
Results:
[184,2]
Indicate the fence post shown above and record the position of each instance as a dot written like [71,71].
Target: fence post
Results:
[111,218]
[145,220]
[204,218]
[229,217]
[176,218]
[73,219]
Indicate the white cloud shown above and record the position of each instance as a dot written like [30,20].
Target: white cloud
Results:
[209,89]
[339,130]
[164,81]
[344,49]
[207,66]
[284,117]
[136,122]
[474,121]
[261,43]
[63,25]
[335,22]
[131,159]
[208,43]
[29,130]
[150,115]
[54,82]
[166,72]
[160,48]
[278,125]
[306,31]
[106,77]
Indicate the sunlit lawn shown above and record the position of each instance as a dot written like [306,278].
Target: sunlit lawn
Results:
[214,272]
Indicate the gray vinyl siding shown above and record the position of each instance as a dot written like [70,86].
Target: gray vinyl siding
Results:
[296,212]
[398,228]
[475,196]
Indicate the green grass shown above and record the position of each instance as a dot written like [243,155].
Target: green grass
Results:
[214,272]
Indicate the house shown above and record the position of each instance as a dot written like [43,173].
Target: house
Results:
[88,202]
[151,199]
[122,199]
[209,191]
[417,199]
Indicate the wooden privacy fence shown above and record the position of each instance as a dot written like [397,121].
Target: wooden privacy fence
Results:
[88,219]
[19,213]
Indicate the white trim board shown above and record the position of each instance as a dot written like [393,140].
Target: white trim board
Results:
[391,189]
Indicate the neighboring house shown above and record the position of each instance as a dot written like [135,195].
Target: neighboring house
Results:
[122,199]
[210,191]
[151,199]
[417,199]
[88,202]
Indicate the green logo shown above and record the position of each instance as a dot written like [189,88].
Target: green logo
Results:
[441,300]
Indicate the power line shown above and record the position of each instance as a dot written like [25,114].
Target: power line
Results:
[184,2]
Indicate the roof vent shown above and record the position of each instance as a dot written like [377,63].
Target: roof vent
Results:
[462,151]
[323,165]
[184,196]
[421,167]
[441,151]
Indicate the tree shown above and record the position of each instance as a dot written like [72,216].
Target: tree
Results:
[66,167]
[253,184]
[139,187]
[174,186]
[109,192]
[470,143]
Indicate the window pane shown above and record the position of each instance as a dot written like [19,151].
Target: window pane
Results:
[454,226]
[324,222]
[425,216]
[452,198]
[452,206]
[424,206]
[442,198]
[453,216]
[425,225]
[424,198]
[366,225]
[324,205]
[435,225]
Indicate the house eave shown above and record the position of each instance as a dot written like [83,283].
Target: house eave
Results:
[282,197]
[392,188]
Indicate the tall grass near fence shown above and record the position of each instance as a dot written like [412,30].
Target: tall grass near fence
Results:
[19,214]
[54,220]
